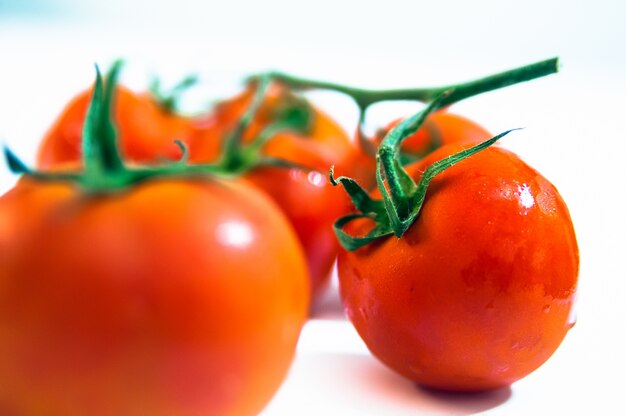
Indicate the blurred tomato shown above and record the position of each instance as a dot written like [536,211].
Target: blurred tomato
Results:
[147,131]
[172,297]
[312,142]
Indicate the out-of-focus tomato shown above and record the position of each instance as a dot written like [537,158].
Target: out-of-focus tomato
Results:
[128,290]
[175,297]
[478,292]
[147,131]
[304,194]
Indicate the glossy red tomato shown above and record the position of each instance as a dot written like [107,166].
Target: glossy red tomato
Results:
[305,195]
[174,297]
[147,131]
[478,292]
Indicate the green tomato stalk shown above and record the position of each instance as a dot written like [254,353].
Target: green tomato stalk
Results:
[364,98]
[402,197]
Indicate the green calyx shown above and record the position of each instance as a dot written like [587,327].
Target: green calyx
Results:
[105,171]
[103,167]
[402,197]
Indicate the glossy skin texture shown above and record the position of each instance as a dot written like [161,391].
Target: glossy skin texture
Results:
[306,197]
[146,130]
[478,293]
[177,297]
[439,129]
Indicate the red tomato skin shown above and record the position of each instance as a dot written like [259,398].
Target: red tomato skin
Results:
[312,205]
[147,132]
[479,291]
[175,298]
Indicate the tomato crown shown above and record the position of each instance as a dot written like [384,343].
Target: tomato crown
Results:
[402,198]
[104,169]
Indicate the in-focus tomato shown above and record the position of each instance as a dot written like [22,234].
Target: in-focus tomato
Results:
[147,131]
[177,297]
[304,194]
[478,291]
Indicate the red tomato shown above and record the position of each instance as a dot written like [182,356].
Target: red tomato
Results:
[174,297]
[439,129]
[478,292]
[306,196]
[146,130]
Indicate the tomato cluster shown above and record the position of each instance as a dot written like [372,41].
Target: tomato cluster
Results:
[159,263]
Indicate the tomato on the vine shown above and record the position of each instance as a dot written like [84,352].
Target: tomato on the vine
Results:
[129,289]
[478,292]
[147,130]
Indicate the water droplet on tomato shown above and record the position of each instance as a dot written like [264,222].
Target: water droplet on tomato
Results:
[546,308]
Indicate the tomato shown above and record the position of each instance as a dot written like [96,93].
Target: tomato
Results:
[172,297]
[147,131]
[478,292]
[439,129]
[305,195]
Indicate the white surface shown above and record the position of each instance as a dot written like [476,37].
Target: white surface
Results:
[573,134]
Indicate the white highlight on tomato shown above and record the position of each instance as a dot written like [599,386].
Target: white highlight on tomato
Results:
[234,233]
[525,197]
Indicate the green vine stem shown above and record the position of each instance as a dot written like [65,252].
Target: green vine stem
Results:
[366,97]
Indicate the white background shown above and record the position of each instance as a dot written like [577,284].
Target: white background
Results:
[573,134]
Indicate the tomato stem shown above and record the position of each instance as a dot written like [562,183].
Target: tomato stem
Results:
[366,97]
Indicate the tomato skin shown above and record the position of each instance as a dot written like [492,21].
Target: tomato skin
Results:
[478,293]
[306,197]
[146,130]
[177,297]
[312,219]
